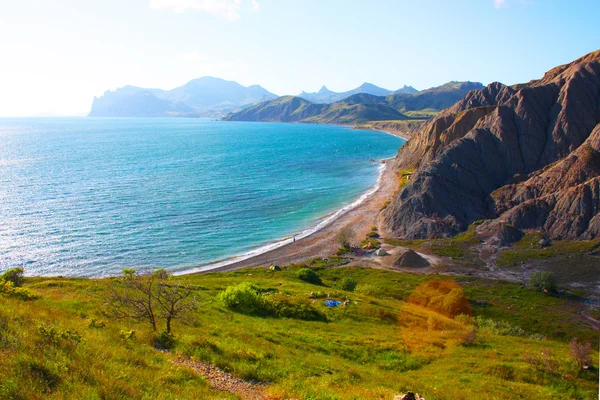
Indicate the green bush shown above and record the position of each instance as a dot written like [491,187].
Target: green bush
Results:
[542,282]
[164,340]
[14,275]
[294,307]
[53,336]
[244,298]
[348,284]
[8,288]
[308,275]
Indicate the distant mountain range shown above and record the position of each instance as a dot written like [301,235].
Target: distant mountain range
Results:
[357,107]
[327,96]
[200,97]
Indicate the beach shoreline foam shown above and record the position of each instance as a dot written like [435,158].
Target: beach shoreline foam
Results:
[319,239]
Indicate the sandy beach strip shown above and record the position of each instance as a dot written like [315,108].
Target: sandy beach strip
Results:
[321,243]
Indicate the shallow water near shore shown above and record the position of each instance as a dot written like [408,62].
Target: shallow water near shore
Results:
[88,197]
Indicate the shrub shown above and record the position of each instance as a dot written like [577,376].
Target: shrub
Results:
[502,371]
[581,353]
[373,235]
[14,275]
[8,288]
[308,275]
[544,362]
[470,337]
[243,298]
[344,236]
[542,282]
[348,284]
[51,335]
[94,323]
[294,307]
[464,319]
[127,335]
[501,328]
[164,340]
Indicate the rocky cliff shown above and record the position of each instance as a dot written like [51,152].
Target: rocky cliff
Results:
[527,155]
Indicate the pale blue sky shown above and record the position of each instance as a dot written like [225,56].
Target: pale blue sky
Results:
[56,55]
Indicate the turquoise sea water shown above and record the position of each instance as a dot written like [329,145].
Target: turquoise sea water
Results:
[88,197]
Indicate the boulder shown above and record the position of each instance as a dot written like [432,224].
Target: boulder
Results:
[407,258]
[381,252]
[498,234]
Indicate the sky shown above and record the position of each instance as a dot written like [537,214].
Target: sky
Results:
[55,56]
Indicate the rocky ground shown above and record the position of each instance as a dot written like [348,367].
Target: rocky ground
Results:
[223,381]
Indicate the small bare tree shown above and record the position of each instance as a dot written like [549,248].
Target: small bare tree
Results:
[344,236]
[581,353]
[151,296]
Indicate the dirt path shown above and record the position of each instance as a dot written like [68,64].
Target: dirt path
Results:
[223,381]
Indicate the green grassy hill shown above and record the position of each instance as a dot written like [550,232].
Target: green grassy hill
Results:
[63,345]
[357,108]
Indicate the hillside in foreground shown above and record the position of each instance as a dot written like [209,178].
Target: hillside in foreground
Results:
[392,332]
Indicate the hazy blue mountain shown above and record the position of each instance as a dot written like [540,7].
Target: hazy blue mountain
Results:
[131,103]
[327,96]
[206,96]
[406,90]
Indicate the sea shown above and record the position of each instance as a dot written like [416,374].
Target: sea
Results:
[88,197]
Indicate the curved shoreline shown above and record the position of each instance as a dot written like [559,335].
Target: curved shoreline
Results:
[318,240]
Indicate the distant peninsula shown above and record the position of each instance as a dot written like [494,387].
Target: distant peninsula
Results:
[202,97]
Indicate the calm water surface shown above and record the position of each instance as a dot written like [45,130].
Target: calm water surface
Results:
[88,197]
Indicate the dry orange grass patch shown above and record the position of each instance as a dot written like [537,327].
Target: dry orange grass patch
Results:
[444,297]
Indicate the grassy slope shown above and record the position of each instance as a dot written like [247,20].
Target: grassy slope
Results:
[376,347]
[572,262]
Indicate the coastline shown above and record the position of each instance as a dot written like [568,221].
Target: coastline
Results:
[320,240]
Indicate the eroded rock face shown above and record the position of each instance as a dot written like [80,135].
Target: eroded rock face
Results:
[526,155]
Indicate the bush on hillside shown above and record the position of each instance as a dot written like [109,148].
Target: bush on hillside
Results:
[308,275]
[244,298]
[542,282]
[7,288]
[14,275]
[344,236]
[294,307]
[247,299]
[581,353]
[164,341]
[470,337]
[348,284]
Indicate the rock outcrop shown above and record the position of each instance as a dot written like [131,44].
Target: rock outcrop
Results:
[407,258]
[527,156]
